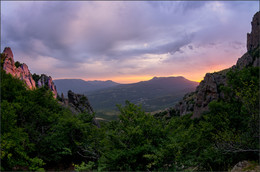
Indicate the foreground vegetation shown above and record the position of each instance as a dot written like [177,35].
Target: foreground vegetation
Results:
[37,133]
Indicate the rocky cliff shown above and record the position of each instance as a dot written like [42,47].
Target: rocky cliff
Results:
[78,103]
[21,71]
[209,88]
[253,40]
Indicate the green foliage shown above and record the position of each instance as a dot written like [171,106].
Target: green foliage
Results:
[3,57]
[244,111]
[36,130]
[132,140]
[15,141]
[36,78]
[234,122]
[84,167]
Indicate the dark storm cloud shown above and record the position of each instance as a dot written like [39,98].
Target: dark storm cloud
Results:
[169,47]
[40,24]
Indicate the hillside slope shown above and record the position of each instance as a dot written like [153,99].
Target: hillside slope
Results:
[155,94]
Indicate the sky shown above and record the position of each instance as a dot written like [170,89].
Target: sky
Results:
[127,41]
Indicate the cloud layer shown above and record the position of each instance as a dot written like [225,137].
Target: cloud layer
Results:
[106,40]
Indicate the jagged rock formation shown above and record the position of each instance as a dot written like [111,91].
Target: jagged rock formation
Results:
[253,40]
[78,103]
[20,71]
[45,80]
[209,89]
[251,58]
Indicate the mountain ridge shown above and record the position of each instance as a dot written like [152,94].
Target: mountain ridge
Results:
[80,86]
[155,94]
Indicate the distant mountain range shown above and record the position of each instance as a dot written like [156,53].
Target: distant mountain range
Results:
[155,94]
[80,86]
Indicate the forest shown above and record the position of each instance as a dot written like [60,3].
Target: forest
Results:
[38,134]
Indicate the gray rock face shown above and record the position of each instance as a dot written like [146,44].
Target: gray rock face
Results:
[209,89]
[187,104]
[253,43]
[244,61]
[79,102]
[253,38]
[47,81]
[22,72]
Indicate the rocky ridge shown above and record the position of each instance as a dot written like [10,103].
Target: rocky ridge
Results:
[22,72]
[209,88]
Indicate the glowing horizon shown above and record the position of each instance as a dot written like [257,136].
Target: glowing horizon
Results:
[134,79]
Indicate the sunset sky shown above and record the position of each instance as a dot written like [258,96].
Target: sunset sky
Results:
[126,41]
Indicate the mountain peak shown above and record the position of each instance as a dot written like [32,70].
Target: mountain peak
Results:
[179,77]
[8,52]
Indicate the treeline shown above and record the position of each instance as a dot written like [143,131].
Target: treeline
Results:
[37,133]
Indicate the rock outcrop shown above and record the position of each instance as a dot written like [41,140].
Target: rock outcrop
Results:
[17,70]
[45,80]
[22,72]
[246,166]
[78,103]
[209,88]
[186,105]
[253,38]
[207,91]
